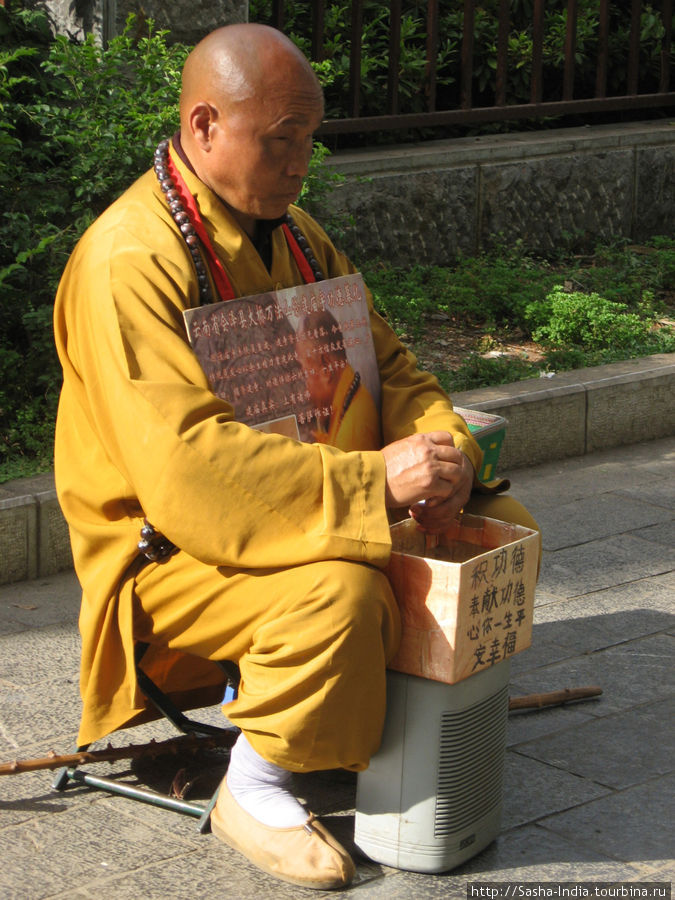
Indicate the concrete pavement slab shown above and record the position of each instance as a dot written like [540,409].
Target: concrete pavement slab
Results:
[634,825]
[601,564]
[532,789]
[542,653]
[26,797]
[205,872]
[40,603]
[38,655]
[611,751]
[605,618]
[523,854]
[32,713]
[530,724]
[657,490]
[35,851]
[663,533]
[649,464]
[595,517]
[637,672]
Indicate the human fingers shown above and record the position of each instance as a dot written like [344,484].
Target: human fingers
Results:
[421,466]
[436,514]
[436,518]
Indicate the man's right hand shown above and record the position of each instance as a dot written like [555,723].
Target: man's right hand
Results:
[423,466]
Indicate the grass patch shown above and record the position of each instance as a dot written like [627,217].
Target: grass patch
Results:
[616,304]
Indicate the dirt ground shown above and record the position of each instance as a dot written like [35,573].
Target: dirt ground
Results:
[445,342]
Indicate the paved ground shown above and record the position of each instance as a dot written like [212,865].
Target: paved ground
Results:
[589,787]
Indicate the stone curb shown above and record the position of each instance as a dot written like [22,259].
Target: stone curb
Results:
[582,411]
[34,541]
[567,415]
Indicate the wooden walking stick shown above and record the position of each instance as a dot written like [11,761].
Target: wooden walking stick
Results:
[191,743]
[184,743]
[553,698]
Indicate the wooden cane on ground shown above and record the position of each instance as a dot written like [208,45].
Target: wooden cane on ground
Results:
[553,698]
[184,744]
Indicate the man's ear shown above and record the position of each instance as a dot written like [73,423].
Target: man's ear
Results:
[201,119]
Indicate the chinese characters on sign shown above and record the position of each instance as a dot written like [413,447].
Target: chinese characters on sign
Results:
[497,610]
[270,355]
[466,597]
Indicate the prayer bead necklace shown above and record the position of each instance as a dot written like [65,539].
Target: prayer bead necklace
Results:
[189,231]
[303,243]
[182,220]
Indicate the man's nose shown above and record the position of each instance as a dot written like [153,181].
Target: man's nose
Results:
[298,163]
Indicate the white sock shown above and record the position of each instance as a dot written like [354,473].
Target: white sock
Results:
[262,788]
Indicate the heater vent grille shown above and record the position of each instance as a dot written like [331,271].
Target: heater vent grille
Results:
[471,766]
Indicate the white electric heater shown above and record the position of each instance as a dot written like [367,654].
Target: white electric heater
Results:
[432,795]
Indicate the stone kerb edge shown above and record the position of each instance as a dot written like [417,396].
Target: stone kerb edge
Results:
[18,539]
[511,147]
[582,411]
[34,540]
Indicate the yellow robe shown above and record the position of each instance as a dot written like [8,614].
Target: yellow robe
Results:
[139,433]
[359,426]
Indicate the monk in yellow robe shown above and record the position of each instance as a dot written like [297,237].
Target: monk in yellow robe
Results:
[281,544]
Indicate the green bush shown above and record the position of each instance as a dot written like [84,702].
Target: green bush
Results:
[494,288]
[477,371]
[507,294]
[79,125]
[576,319]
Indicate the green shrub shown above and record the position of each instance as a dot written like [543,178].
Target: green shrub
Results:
[493,288]
[627,273]
[590,321]
[79,124]
[477,371]
[507,293]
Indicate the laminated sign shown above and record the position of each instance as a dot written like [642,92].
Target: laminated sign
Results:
[466,597]
[292,361]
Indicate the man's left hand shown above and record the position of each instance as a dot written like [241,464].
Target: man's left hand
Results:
[437,513]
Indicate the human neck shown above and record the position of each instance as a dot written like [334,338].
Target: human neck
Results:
[249,224]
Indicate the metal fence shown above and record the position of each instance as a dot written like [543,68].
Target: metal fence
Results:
[545,99]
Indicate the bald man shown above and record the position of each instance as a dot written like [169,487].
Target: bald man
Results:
[280,544]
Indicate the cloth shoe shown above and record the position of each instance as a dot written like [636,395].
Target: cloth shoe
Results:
[307,855]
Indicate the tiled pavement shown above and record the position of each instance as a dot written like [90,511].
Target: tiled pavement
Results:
[589,786]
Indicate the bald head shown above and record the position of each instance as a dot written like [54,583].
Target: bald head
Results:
[237,63]
[250,105]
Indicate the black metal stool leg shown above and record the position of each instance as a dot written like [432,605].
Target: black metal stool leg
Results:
[205,818]
[183,724]
[62,776]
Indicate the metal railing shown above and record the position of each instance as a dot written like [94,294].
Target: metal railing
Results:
[545,100]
